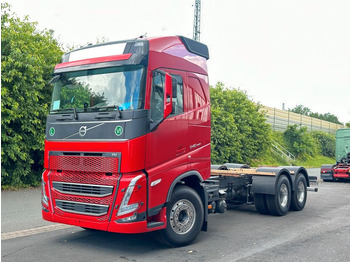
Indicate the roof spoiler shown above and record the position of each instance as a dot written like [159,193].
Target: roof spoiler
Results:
[195,47]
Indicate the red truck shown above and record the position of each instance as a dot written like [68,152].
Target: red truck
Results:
[341,169]
[127,145]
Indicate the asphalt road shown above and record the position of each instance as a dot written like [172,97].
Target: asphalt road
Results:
[321,232]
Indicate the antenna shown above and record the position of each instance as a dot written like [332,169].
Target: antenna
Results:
[197,20]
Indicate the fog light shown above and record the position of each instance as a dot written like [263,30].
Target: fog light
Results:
[131,218]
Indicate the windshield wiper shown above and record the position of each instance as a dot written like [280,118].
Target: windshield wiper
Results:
[108,107]
[72,108]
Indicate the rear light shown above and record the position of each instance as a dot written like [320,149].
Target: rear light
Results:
[125,208]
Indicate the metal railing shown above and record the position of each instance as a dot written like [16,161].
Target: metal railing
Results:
[281,119]
[281,151]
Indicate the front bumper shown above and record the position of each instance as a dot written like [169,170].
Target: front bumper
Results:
[113,226]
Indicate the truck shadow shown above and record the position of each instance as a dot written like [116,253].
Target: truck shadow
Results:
[106,246]
[114,243]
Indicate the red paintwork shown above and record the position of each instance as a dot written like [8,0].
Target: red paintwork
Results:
[341,172]
[93,61]
[134,147]
[180,144]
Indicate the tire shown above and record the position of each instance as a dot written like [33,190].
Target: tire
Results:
[279,203]
[299,195]
[185,214]
[328,180]
[260,204]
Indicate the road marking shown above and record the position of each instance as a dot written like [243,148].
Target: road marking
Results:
[32,231]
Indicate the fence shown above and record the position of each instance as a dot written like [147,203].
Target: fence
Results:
[280,119]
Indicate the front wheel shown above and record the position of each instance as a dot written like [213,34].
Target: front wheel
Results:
[185,214]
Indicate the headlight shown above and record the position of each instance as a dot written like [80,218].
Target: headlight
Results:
[44,198]
[125,208]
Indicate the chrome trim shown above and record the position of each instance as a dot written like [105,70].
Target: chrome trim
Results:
[81,203]
[86,129]
[90,122]
[81,194]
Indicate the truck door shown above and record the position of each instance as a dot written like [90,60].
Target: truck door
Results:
[199,123]
[166,143]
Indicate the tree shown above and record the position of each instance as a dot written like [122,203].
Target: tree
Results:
[300,109]
[300,142]
[240,133]
[303,110]
[27,60]
[326,142]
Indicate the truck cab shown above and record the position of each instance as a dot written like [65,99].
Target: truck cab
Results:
[128,121]
[341,169]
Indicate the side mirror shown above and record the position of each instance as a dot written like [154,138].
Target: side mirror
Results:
[168,95]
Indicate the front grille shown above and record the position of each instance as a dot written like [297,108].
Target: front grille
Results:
[84,178]
[84,163]
[86,193]
[82,208]
[82,189]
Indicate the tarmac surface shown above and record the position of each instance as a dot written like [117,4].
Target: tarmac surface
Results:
[321,232]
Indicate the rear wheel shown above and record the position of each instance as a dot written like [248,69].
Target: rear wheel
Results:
[299,195]
[260,204]
[185,214]
[279,203]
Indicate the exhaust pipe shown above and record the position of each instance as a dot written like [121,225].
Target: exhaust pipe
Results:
[312,189]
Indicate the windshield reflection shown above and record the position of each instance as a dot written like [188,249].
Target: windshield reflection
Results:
[99,89]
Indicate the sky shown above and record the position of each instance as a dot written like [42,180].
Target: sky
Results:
[293,52]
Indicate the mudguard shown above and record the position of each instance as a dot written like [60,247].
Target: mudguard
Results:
[267,184]
[295,171]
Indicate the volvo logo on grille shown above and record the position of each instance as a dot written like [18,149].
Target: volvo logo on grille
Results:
[82,130]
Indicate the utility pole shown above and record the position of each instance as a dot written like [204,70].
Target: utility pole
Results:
[197,20]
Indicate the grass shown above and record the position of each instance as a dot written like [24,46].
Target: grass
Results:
[316,161]
[307,162]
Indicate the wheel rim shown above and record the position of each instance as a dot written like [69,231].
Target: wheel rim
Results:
[283,195]
[182,216]
[301,192]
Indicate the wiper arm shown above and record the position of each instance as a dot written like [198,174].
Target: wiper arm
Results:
[75,113]
[109,107]
[72,108]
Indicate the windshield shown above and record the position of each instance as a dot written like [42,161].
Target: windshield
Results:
[98,89]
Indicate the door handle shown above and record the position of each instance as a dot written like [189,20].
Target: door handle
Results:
[180,150]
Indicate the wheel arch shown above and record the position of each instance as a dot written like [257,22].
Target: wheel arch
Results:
[297,170]
[192,179]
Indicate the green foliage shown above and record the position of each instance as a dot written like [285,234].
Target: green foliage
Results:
[300,109]
[300,142]
[312,149]
[326,143]
[27,60]
[315,161]
[240,133]
[347,125]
